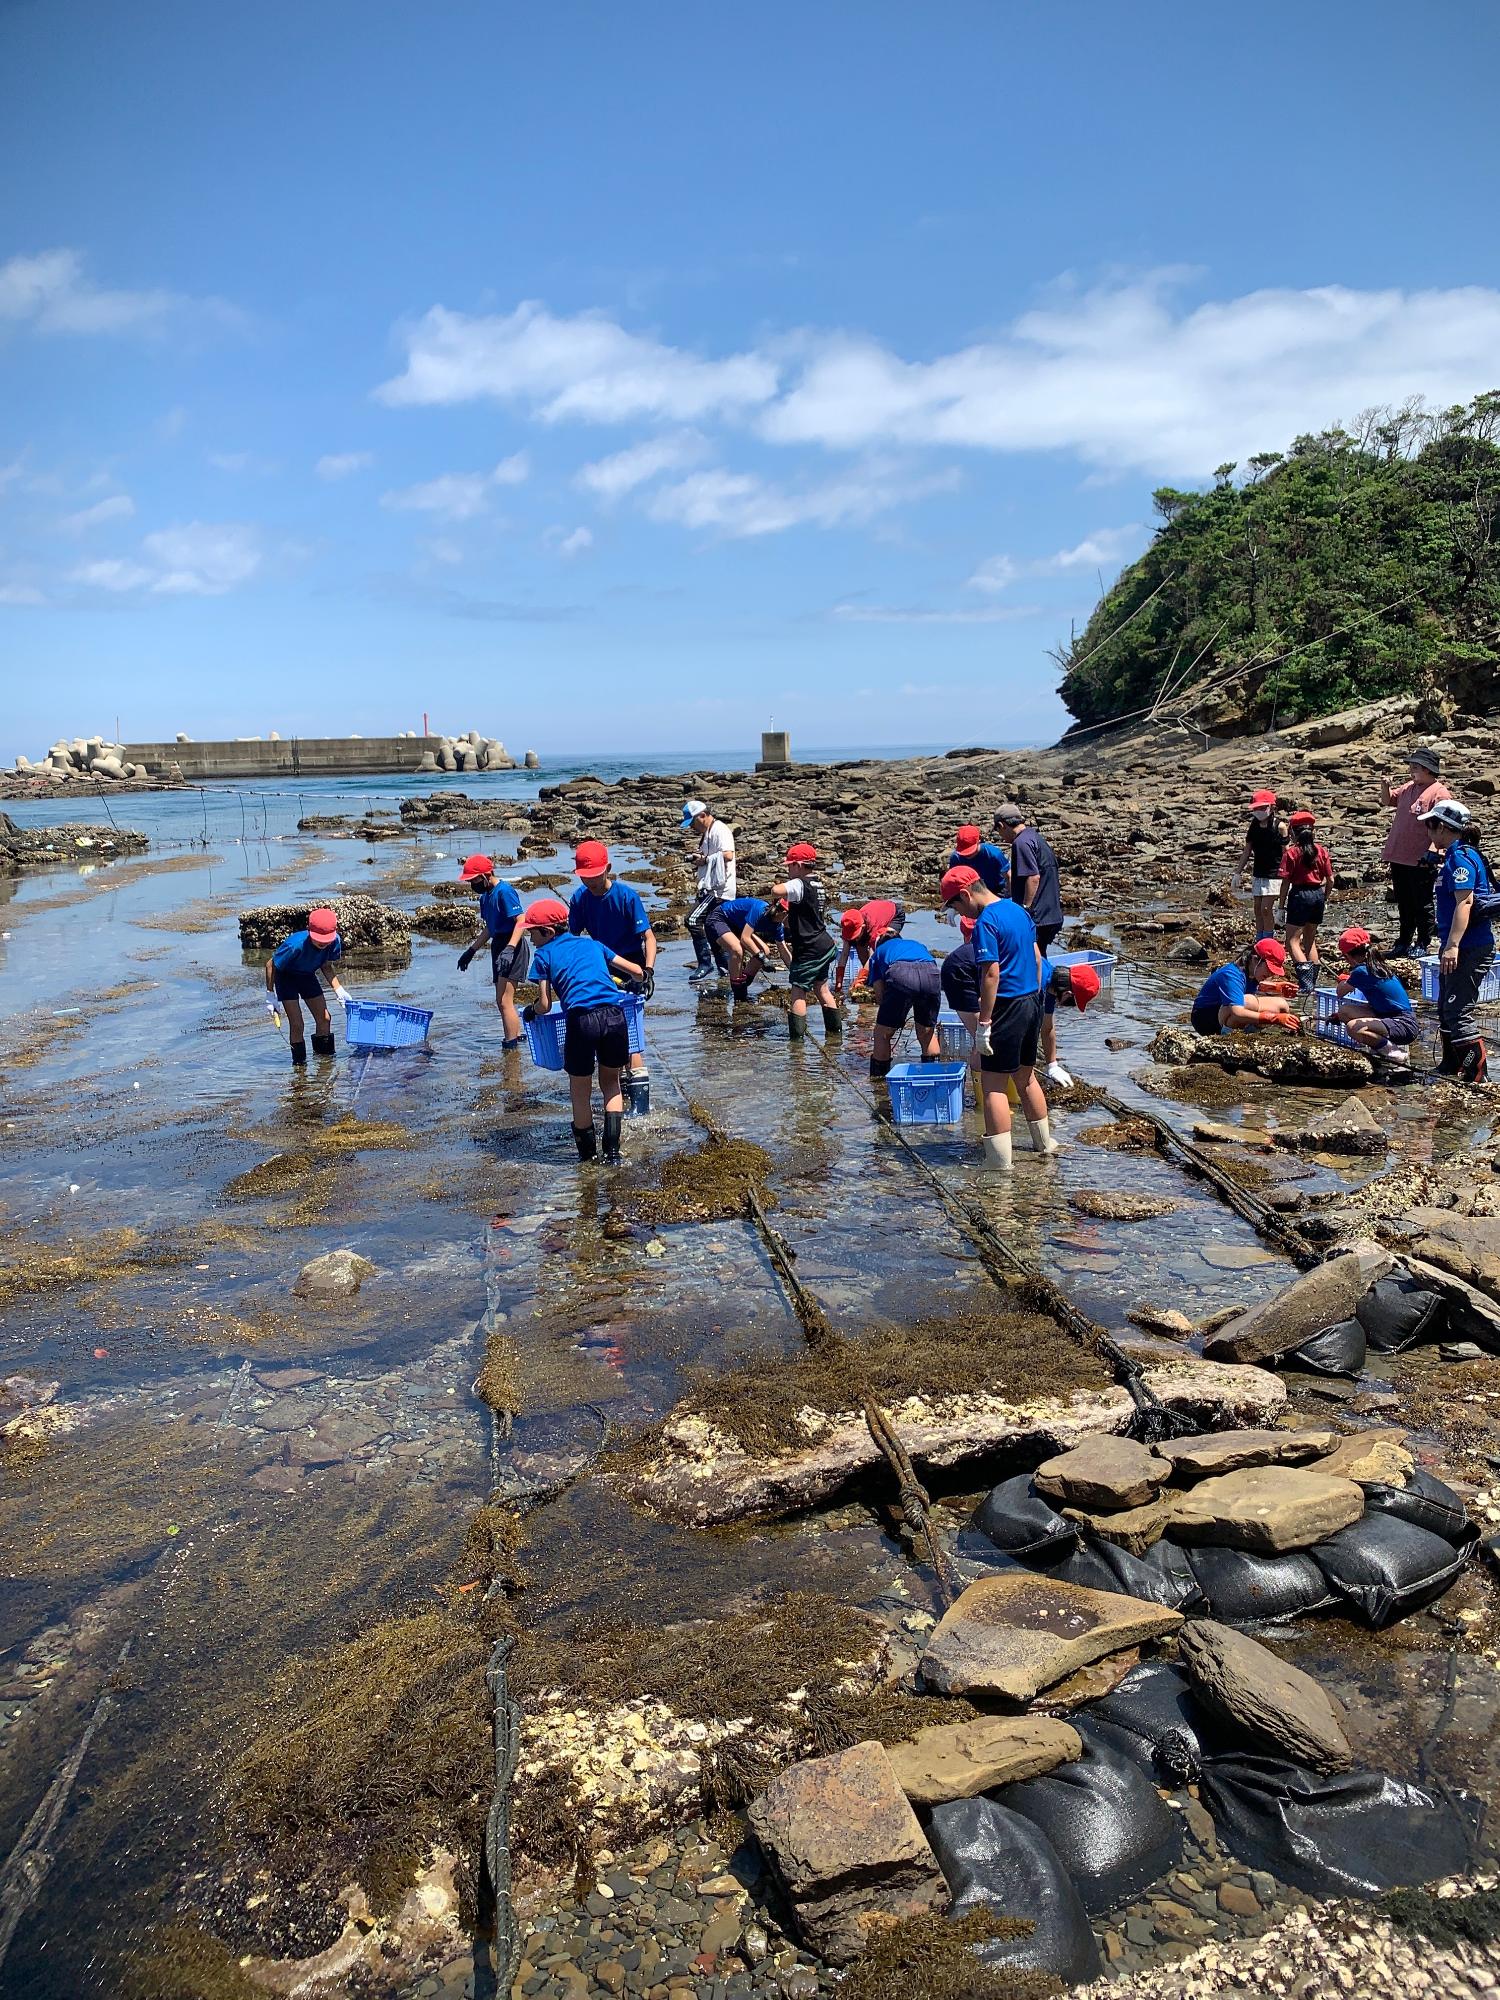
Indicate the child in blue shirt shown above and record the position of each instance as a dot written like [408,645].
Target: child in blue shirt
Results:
[1374,1006]
[1227,998]
[613,915]
[580,973]
[292,976]
[510,954]
[904,979]
[745,930]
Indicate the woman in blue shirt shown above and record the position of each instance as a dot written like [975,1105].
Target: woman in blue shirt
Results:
[579,973]
[292,976]
[903,977]
[1466,939]
[1373,1004]
[510,954]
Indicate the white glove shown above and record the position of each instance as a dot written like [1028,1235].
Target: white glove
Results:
[982,1039]
[1058,1075]
[274,1011]
[338,988]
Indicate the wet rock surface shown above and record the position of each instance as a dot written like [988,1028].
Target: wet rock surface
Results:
[1255,1688]
[365,925]
[1016,1634]
[1102,1472]
[959,1759]
[1267,1509]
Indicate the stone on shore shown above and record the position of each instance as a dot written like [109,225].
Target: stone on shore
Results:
[1350,1127]
[847,1848]
[364,925]
[1372,1458]
[1268,1509]
[1320,1297]
[1279,1057]
[1472,1314]
[1015,1634]
[337,1274]
[1119,1205]
[1162,1319]
[1235,1451]
[1102,1472]
[1465,1246]
[958,1760]
[1252,1686]
[1133,1529]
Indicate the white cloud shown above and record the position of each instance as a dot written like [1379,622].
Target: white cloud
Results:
[576,543]
[1105,548]
[341,464]
[880,614]
[119,507]
[740,504]
[459,496]
[585,367]
[241,461]
[996,573]
[50,294]
[113,573]
[196,559]
[610,478]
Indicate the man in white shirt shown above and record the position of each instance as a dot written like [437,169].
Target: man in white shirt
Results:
[716,880]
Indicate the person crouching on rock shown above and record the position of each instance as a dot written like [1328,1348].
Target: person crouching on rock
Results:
[1265,844]
[1227,999]
[1009,1023]
[1306,878]
[904,979]
[292,976]
[579,973]
[1374,1006]
[1063,986]
[747,930]
[613,915]
[510,954]
[810,948]
[858,929]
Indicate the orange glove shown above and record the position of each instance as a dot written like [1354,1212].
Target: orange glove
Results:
[1288,1022]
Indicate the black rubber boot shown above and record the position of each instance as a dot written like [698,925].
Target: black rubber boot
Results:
[637,1092]
[878,1068]
[833,1023]
[1449,1064]
[612,1138]
[323,1044]
[1473,1061]
[796,1027]
[587,1142]
[299,1055]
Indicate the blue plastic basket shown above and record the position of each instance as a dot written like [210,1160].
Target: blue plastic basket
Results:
[635,1022]
[927,1093]
[544,1039]
[1101,961]
[1328,1029]
[384,1024]
[1489,986]
[954,1039]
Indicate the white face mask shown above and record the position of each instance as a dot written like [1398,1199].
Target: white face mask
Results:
[1262,813]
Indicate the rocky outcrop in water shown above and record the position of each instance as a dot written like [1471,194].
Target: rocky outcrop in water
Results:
[365,925]
[69,841]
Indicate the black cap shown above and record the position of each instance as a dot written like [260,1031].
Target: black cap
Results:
[1427,757]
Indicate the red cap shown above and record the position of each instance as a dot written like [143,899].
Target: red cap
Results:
[966,839]
[322,926]
[1354,939]
[801,853]
[966,925]
[477,864]
[956,881]
[1272,950]
[590,858]
[545,911]
[1263,798]
[851,923]
[1303,819]
[1086,985]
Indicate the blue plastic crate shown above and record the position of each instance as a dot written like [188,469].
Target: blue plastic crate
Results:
[1328,1029]
[1489,986]
[635,1022]
[544,1039]
[954,1039]
[927,1093]
[384,1024]
[1101,961]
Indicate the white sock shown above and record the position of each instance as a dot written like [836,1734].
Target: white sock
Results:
[1042,1140]
[997,1153]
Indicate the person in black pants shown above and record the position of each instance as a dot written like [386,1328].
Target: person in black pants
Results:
[1034,882]
[1407,851]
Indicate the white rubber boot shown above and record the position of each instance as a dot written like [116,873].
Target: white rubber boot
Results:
[1042,1140]
[997,1158]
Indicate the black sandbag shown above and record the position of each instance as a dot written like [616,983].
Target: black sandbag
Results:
[999,1860]
[1400,1311]
[1358,1833]
[1427,1503]
[1242,1588]
[1106,1820]
[1161,1576]
[1337,1350]
[1019,1520]
[1383,1568]
[1155,1717]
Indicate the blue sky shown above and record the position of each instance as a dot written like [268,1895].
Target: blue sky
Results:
[641,377]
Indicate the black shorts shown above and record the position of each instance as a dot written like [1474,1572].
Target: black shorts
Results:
[511,962]
[1398,1029]
[1206,1021]
[912,987]
[716,925]
[595,1034]
[297,986]
[1015,1032]
[1306,906]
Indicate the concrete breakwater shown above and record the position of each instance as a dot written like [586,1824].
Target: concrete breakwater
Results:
[187,762]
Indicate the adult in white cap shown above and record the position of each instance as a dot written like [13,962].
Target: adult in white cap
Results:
[1466,906]
[1408,848]
[716,880]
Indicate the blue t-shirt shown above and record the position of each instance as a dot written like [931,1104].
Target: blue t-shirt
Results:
[891,951]
[499,907]
[990,863]
[1463,868]
[960,979]
[751,910]
[1034,856]
[298,953]
[1381,996]
[1227,987]
[577,970]
[617,918]
[1004,935]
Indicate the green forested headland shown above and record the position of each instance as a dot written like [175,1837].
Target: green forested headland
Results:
[1352,566]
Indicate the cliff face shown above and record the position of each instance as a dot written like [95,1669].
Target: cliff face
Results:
[1349,568]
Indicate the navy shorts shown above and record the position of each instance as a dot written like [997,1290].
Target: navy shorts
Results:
[297,985]
[595,1034]
[1015,1031]
[1206,1021]
[912,987]
[1398,1029]
[1306,906]
[511,962]
[716,925]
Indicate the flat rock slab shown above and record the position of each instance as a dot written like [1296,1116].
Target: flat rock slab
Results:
[1234,1451]
[1373,1457]
[1118,1205]
[1350,1127]
[1162,1319]
[1014,1635]
[700,1476]
[1320,1297]
[1268,1509]
[1089,1683]
[1103,1471]
[958,1760]
[1132,1528]
[1466,1246]
[1254,1687]
[847,1848]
